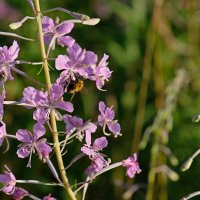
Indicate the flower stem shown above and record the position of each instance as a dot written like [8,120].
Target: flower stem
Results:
[38,182]
[68,189]
[191,195]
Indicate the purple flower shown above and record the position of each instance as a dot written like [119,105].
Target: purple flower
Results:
[100,73]
[132,166]
[45,104]
[97,165]
[98,161]
[7,57]
[50,31]
[77,63]
[49,197]
[2,132]
[19,193]
[8,180]
[31,143]
[74,123]
[93,150]
[106,118]
[82,63]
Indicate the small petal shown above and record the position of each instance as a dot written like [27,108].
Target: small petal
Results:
[114,127]
[4,178]
[92,127]
[62,62]
[91,169]
[2,97]
[99,84]
[14,50]
[95,167]
[29,95]
[87,151]
[23,152]
[47,24]
[90,58]
[65,28]
[38,130]
[102,106]
[44,149]
[2,132]
[34,97]
[19,193]
[76,53]
[88,138]
[67,106]
[66,41]
[41,115]
[72,122]
[48,38]
[56,92]
[24,136]
[9,189]
[103,60]
[100,143]
[109,114]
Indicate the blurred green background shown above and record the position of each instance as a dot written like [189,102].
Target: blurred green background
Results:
[148,41]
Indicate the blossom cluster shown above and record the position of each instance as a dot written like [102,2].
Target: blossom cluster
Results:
[76,65]
[9,188]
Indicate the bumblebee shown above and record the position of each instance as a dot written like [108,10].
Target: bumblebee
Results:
[74,85]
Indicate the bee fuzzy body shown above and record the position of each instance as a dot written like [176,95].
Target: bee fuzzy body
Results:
[74,86]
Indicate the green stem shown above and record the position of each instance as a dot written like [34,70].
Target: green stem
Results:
[151,175]
[68,189]
[160,185]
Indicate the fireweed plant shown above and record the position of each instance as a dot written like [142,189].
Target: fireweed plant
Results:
[48,103]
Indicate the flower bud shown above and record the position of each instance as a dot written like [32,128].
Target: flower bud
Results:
[15,25]
[186,165]
[173,176]
[91,22]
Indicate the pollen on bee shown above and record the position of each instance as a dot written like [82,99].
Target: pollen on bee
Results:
[74,86]
[78,85]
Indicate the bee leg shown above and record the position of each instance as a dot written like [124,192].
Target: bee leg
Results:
[73,94]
